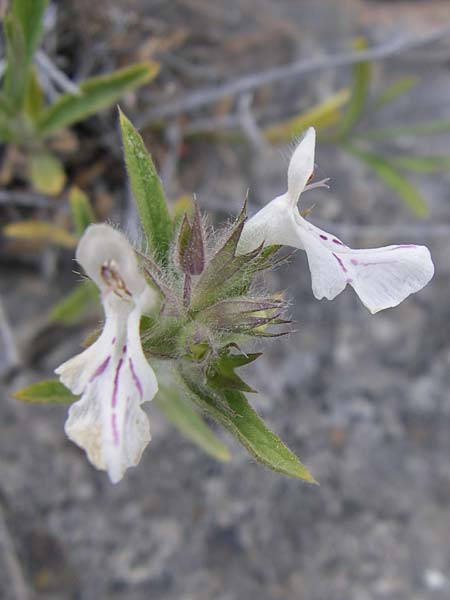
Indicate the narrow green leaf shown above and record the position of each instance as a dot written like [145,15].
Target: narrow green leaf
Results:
[425,128]
[231,409]
[392,178]
[321,116]
[423,164]
[181,413]
[34,99]
[82,213]
[73,307]
[396,90]
[43,232]
[17,68]
[96,93]
[362,73]
[46,392]
[46,173]
[30,15]
[148,191]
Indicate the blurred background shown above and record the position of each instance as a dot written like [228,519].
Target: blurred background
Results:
[363,400]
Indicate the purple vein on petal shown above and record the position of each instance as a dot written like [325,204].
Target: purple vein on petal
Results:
[135,378]
[341,264]
[116,383]
[101,369]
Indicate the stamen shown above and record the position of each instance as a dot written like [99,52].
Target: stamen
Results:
[318,184]
[112,278]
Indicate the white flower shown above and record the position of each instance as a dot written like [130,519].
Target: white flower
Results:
[382,277]
[112,375]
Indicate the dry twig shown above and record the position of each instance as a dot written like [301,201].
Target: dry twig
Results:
[250,82]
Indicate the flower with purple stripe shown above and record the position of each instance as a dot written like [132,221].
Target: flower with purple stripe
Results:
[382,277]
[112,376]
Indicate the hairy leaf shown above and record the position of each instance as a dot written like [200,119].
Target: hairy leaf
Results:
[232,410]
[148,191]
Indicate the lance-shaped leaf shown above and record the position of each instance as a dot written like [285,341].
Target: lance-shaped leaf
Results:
[232,410]
[435,127]
[182,414]
[322,115]
[73,307]
[50,391]
[221,372]
[391,177]
[148,192]
[16,72]
[82,213]
[42,232]
[360,90]
[34,99]
[423,164]
[30,16]
[396,90]
[96,93]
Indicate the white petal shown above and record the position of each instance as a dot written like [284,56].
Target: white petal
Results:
[273,224]
[301,165]
[101,245]
[382,277]
[107,421]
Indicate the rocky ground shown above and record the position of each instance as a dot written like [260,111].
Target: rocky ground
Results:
[362,399]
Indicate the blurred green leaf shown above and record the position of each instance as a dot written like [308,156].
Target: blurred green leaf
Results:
[30,16]
[46,392]
[5,107]
[96,93]
[423,164]
[16,71]
[147,190]
[22,29]
[34,100]
[82,213]
[362,73]
[322,115]
[232,410]
[392,178]
[46,173]
[426,128]
[42,232]
[185,418]
[73,307]
[396,90]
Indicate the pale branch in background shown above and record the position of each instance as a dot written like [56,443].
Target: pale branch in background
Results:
[301,67]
